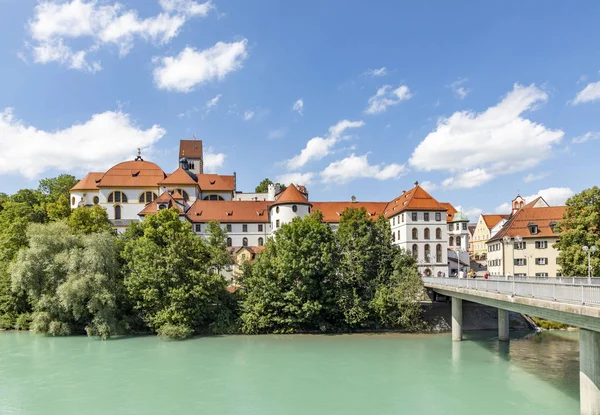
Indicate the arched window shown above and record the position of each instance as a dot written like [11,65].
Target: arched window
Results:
[117,212]
[398,235]
[213,197]
[73,200]
[438,233]
[451,243]
[185,194]
[415,251]
[245,241]
[117,197]
[457,241]
[393,237]
[277,209]
[294,208]
[147,197]
[415,233]
[438,253]
[427,253]
[260,241]
[229,242]
[426,234]
[96,200]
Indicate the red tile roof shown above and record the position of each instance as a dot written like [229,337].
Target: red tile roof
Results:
[450,211]
[137,173]
[415,199]
[332,211]
[165,197]
[492,220]
[216,182]
[518,224]
[191,149]
[89,182]
[291,195]
[225,211]
[180,176]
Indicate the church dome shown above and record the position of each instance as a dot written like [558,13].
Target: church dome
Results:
[460,217]
[136,173]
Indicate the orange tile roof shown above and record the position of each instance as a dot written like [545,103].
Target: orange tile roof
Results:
[177,196]
[180,176]
[191,149]
[165,197]
[492,220]
[227,211]
[89,182]
[450,211]
[414,199]
[332,211]
[216,182]
[291,195]
[136,173]
[518,224]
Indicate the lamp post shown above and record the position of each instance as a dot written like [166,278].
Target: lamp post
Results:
[589,251]
[507,241]
[457,262]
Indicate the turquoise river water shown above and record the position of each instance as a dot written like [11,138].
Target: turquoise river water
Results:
[287,375]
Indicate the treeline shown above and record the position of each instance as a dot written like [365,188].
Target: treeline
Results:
[66,272]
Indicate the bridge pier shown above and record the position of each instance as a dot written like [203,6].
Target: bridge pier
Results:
[457,319]
[589,371]
[503,325]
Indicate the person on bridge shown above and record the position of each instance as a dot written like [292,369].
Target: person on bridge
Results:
[486,275]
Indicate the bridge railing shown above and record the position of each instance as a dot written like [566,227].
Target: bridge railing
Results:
[585,294]
[561,280]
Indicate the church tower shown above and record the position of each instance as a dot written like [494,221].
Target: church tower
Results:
[191,151]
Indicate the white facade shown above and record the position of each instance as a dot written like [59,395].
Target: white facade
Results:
[281,214]
[240,234]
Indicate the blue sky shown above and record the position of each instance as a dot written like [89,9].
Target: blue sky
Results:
[474,99]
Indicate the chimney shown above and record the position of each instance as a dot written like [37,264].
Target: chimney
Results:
[353,198]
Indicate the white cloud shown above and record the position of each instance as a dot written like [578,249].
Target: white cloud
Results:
[213,161]
[296,178]
[459,89]
[356,167]
[93,24]
[248,115]
[318,147]
[386,97]
[532,177]
[298,106]
[588,94]
[182,73]
[554,196]
[476,147]
[472,213]
[377,72]
[95,144]
[213,101]
[586,137]
[276,134]
[428,186]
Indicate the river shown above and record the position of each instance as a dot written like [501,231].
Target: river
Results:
[289,375]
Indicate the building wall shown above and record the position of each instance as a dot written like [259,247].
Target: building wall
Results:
[252,196]
[227,195]
[130,209]
[480,236]
[285,213]
[83,198]
[237,233]
[503,256]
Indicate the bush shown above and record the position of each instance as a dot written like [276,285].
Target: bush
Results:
[23,321]
[549,324]
[7,321]
[58,328]
[175,331]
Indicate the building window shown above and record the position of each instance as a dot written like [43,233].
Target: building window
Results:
[162,206]
[398,235]
[438,253]
[229,243]
[117,212]
[260,227]
[541,244]
[533,229]
[244,228]
[415,251]
[427,253]
[96,200]
[309,209]
[147,197]
[198,228]
[457,241]
[464,226]
[245,242]
[438,216]
[117,197]
[438,233]
[451,241]
[185,194]
[414,216]
[260,242]
[73,201]
[213,197]
[415,233]
[393,237]
[277,209]
[554,228]
[426,216]
[277,224]
[520,245]
[541,261]
[229,227]
[451,227]
[294,208]
[394,221]
[403,218]
[542,274]
[520,261]
[426,233]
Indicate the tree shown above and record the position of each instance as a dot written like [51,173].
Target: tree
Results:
[89,220]
[217,245]
[55,187]
[580,227]
[290,286]
[14,219]
[263,187]
[168,278]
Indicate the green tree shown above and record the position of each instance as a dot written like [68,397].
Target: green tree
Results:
[580,227]
[263,186]
[217,245]
[55,187]
[89,220]
[14,219]
[290,286]
[168,278]
[33,199]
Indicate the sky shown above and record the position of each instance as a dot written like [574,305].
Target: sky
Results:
[478,101]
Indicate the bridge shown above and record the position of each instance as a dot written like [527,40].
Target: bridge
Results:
[573,303]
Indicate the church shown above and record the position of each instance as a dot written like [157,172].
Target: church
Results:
[435,233]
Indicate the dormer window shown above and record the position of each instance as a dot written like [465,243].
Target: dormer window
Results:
[162,206]
[212,181]
[229,213]
[553,227]
[533,228]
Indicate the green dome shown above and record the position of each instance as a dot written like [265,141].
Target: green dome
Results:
[460,217]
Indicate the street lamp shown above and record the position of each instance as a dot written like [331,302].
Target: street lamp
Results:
[507,241]
[456,251]
[589,252]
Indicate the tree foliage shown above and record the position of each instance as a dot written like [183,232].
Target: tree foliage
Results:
[89,220]
[263,186]
[580,227]
[217,247]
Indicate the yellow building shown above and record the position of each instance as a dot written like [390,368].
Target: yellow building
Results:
[483,232]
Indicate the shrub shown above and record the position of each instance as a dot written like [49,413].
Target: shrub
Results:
[7,321]
[175,331]
[23,321]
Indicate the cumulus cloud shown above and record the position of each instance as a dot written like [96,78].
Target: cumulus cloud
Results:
[318,147]
[213,160]
[386,96]
[296,178]
[191,68]
[95,144]
[248,115]
[590,93]
[356,167]
[554,196]
[298,106]
[377,72]
[586,137]
[56,27]
[476,147]
[212,102]
[532,177]
[459,89]
[428,186]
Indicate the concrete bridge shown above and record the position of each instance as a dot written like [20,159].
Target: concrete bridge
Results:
[573,304]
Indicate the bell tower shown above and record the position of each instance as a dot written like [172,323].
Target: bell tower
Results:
[191,151]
